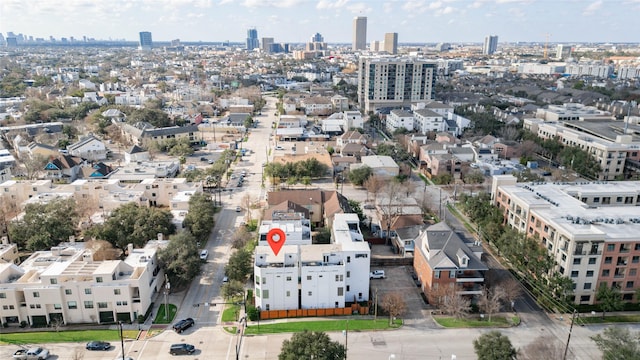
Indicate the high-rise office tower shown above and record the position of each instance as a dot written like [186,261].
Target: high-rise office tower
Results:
[266,44]
[317,38]
[490,44]
[359,33]
[394,81]
[252,39]
[563,51]
[391,43]
[145,40]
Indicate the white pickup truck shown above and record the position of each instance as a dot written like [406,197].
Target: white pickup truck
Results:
[36,353]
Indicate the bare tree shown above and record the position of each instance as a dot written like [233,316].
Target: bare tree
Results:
[246,203]
[543,347]
[34,165]
[393,303]
[374,185]
[512,290]
[490,300]
[8,210]
[56,323]
[391,206]
[102,250]
[509,133]
[240,237]
[409,187]
[447,299]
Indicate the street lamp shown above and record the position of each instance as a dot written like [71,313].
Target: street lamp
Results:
[346,340]
[121,339]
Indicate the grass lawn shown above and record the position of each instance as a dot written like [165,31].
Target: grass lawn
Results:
[230,313]
[66,336]
[160,317]
[496,321]
[608,319]
[323,325]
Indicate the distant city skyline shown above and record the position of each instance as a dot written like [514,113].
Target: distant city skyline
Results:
[294,21]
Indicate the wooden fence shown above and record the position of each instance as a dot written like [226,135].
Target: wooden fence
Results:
[294,313]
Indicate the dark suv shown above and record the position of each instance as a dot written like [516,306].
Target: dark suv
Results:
[183,325]
[182,349]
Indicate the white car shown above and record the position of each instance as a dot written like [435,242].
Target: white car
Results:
[376,274]
[204,254]
[37,353]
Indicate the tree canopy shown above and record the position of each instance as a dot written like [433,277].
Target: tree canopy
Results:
[618,343]
[155,117]
[309,345]
[494,346]
[45,225]
[239,266]
[180,258]
[131,223]
[311,168]
[360,175]
[199,219]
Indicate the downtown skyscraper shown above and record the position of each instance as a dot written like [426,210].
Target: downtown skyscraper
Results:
[359,33]
[145,41]
[252,39]
[490,44]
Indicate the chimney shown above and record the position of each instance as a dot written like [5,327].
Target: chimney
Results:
[160,237]
[72,239]
[129,249]
[4,240]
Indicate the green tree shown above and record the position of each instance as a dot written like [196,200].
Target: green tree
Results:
[309,345]
[45,225]
[609,299]
[474,177]
[494,346]
[322,236]
[618,343]
[232,289]
[155,117]
[239,266]
[443,179]
[131,223]
[199,219]
[248,122]
[360,175]
[180,258]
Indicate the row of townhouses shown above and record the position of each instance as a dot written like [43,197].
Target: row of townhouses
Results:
[66,284]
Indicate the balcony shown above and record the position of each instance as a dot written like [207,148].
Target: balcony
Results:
[470,277]
[470,289]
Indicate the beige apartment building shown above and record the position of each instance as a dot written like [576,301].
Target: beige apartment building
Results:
[66,284]
[592,229]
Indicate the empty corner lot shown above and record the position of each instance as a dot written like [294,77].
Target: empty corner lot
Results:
[398,279]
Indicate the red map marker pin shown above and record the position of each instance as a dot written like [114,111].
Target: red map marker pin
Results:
[276,238]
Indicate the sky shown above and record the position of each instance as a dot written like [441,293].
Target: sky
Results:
[295,21]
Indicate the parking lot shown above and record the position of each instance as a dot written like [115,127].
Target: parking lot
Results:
[398,279]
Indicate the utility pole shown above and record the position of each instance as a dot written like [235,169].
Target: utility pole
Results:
[375,305]
[566,349]
[167,286]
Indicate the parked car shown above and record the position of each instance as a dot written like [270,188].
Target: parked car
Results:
[279,147]
[37,353]
[98,345]
[182,349]
[204,159]
[225,279]
[376,274]
[183,325]
[238,209]
[20,354]
[204,254]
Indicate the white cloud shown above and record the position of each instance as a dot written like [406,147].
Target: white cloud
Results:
[270,3]
[592,8]
[328,4]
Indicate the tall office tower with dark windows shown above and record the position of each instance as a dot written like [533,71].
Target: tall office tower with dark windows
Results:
[252,39]
[490,44]
[145,40]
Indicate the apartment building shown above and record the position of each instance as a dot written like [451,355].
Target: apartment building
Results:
[607,141]
[107,194]
[589,228]
[68,285]
[394,81]
[309,276]
[426,120]
[399,119]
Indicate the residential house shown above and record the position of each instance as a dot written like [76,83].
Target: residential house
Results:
[35,150]
[317,105]
[354,149]
[141,133]
[136,154]
[63,168]
[404,241]
[340,103]
[89,148]
[114,115]
[381,165]
[351,137]
[443,260]
[321,204]
[400,119]
[426,120]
